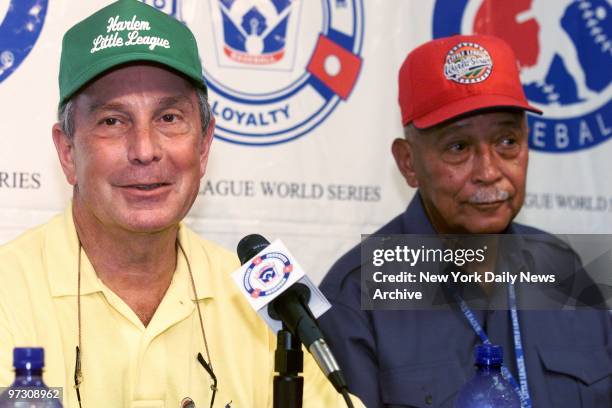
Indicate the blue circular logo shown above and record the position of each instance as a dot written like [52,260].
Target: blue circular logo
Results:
[267,274]
[564,51]
[276,69]
[20,24]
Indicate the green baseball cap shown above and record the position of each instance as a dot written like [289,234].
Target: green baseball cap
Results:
[126,31]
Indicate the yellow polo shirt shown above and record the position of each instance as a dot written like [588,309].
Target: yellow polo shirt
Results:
[125,364]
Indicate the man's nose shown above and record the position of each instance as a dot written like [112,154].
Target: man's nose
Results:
[486,166]
[144,145]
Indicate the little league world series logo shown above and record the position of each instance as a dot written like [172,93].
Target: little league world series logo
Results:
[20,24]
[468,63]
[564,49]
[267,274]
[276,69]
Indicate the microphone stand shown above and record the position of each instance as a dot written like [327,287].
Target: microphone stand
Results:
[288,363]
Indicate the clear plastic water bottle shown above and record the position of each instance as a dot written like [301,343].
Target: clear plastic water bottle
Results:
[488,388]
[28,390]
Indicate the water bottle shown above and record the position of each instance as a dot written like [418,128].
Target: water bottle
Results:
[28,390]
[488,388]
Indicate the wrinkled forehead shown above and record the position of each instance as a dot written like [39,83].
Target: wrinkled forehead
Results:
[481,123]
[137,81]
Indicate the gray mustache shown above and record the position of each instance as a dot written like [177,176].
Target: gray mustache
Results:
[489,196]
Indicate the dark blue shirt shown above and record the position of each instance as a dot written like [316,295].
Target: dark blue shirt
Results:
[421,358]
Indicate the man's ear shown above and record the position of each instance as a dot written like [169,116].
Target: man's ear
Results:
[205,147]
[404,154]
[65,152]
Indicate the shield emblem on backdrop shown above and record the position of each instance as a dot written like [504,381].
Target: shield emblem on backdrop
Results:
[276,69]
[255,32]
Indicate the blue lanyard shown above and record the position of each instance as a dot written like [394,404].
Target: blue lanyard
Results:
[522,390]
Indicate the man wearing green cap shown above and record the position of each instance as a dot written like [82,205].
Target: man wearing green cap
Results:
[132,307]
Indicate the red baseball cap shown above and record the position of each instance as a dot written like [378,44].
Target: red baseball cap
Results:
[452,76]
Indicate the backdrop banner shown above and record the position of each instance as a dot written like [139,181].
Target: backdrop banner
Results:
[305,97]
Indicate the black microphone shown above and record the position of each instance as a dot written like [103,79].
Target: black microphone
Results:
[291,307]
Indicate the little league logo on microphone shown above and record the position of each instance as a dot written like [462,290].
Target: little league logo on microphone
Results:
[267,274]
[564,51]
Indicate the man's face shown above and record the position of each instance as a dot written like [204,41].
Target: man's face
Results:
[470,173]
[138,151]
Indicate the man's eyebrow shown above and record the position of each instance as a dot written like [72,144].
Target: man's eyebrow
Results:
[168,101]
[106,106]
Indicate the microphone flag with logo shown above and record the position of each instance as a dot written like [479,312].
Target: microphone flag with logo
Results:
[270,271]
[267,274]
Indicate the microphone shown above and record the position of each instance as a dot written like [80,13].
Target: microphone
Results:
[291,302]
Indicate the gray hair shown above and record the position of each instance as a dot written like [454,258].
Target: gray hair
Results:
[410,131]
[65,114]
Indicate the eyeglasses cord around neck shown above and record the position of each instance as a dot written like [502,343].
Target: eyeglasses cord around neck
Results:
[78,373]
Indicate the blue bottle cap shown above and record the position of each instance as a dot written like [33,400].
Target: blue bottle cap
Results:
[489,354]
[29,358]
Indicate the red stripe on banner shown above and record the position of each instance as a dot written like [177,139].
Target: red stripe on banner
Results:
[335,66]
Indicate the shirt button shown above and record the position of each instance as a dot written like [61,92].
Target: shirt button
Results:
[428,399]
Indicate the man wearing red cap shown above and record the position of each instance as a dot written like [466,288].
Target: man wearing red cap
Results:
[466,133]
[465,150]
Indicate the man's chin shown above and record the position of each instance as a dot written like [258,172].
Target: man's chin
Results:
[489,218]
[149,223]
[488,225]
